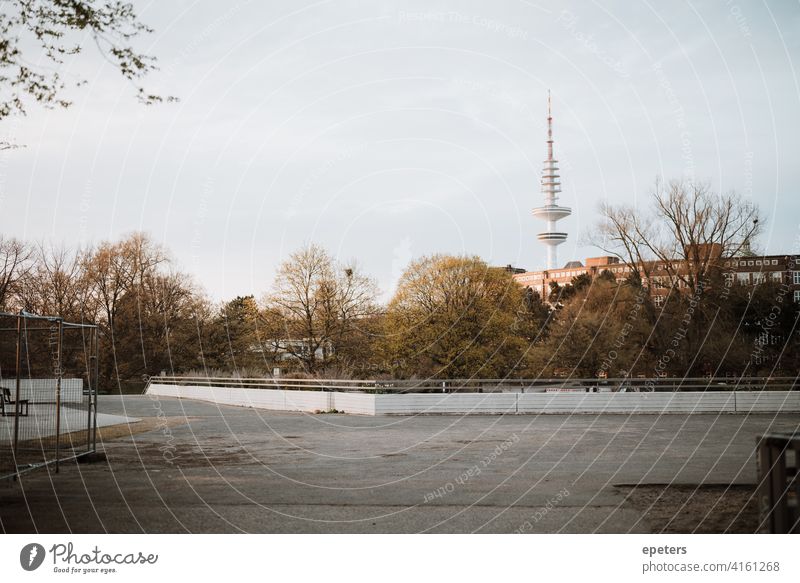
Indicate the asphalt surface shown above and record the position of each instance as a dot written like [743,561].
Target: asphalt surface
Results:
[198,467]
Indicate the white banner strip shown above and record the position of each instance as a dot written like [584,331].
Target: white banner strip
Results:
[406,558]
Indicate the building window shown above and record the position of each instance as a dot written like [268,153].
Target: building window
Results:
[743,277]
[758,262]
[659,300]
[797,296]
[750,263]
[777,276]
[796,277]
[774,262]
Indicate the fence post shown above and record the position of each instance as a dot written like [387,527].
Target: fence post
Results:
[17,387]
[90,380]
[96,385]
[59,342]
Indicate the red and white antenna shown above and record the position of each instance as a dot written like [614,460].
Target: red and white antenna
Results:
[549,128]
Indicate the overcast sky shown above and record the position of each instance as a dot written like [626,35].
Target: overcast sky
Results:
[390,130]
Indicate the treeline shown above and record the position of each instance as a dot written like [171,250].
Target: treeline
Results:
[450,317]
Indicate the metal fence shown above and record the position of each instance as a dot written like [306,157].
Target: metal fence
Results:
[48,391]
[779,483]
[595,385]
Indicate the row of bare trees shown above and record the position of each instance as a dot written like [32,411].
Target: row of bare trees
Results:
[320,316]
[129,287]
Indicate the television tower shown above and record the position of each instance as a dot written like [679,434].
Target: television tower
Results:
[551,212]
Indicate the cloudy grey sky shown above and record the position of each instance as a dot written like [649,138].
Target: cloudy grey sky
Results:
[390,130]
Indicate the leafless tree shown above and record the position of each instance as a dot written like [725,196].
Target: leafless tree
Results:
[687,231]
[15,262]
[56,284]
[116,268]
[315,303]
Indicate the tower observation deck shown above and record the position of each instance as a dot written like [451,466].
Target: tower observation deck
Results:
[551,212]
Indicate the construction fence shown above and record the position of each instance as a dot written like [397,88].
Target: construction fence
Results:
[48,391]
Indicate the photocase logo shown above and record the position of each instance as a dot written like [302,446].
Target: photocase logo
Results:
[31,556]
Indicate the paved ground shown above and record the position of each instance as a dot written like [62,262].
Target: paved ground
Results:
[196,467]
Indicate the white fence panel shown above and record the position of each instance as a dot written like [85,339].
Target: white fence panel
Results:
[358,403]
[455,403]
[768,401]
[308,401]
[277,400]
[717,402]
[166,391]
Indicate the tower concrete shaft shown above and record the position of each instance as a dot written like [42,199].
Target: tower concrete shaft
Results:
[551,213]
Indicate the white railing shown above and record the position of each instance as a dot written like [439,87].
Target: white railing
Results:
[493,385]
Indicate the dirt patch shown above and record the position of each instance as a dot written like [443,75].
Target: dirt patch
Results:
[187,456]
[690,508]
[144,425]
[39,451]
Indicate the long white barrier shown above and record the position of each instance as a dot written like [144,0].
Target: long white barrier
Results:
[44,390]
[488,403]
[274,399]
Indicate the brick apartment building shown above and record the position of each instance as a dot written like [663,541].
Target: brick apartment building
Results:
[745,270]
